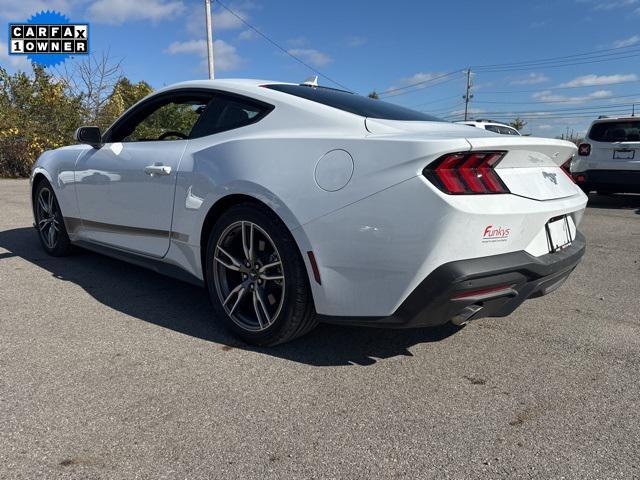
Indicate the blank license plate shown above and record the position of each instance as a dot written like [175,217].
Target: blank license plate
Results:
[623,154]
[559,233]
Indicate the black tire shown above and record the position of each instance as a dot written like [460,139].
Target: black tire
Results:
[59,245]
[295,313]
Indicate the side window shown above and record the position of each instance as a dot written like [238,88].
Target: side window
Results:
[492,128]
[507,131]
[167,118]
[171,121]
[226,113]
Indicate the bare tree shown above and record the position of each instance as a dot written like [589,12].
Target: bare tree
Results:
[92,79]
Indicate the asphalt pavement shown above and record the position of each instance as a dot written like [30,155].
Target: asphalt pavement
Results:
[110,371]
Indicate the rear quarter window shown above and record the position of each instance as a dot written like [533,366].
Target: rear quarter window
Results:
[357,104]
[623,131]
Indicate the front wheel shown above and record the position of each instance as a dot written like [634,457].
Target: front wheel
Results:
[49,221]
[256,277]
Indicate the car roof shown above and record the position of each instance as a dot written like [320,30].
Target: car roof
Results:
[238,85]
[614,119]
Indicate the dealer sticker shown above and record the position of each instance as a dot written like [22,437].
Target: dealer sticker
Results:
[48,38]
[493,234]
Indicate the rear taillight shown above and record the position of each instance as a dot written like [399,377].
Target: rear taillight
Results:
[566,168]
[467,173]
[584,149]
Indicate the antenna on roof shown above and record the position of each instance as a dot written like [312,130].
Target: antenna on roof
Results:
[312,81]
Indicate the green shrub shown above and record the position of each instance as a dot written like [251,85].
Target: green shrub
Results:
[16,159]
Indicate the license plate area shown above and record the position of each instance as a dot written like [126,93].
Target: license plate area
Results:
[558,233]
[623,154]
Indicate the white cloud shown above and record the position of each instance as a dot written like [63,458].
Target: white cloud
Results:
[544,127]
[627,42]
[420,77]
[226,56]
[247,34]
[298,42]
[417,79]
[614,4]
[222,19]
[549,97]
[311,56]
[16,62]
[594,80]
[120,11]
[531,79]
[191,46]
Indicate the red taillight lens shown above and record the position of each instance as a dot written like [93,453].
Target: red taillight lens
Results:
[566,168]
[584,149]
[467,173]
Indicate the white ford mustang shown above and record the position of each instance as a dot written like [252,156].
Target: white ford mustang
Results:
[295,204]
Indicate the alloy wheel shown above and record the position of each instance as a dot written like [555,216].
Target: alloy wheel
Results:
[249,276]
[48,223]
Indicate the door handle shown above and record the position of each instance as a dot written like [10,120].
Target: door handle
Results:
[157,170]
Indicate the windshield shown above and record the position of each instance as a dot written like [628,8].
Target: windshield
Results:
[350,102]
[623,131]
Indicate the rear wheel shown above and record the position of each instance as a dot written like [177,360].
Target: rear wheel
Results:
[256,277]
[49,222]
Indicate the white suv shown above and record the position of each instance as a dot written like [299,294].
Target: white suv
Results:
[495,127]
[609,159]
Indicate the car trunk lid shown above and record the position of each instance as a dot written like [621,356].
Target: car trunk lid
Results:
[531,168]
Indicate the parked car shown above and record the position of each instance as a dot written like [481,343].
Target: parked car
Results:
[609,159]
[495,127]
[294,204]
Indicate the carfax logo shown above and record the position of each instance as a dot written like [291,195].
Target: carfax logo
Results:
[48,38]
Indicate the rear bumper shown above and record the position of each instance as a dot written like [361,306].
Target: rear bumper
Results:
[618,181]
[507,280]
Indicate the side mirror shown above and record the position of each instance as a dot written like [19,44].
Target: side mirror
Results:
[90,136]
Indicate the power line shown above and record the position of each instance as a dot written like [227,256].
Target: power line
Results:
[535,90]
[423,82]
[560,65]
[444,110]
[423,87]
[578,110]
[504,119]
[599,52]
[442,99]
[279,47]
[568,100]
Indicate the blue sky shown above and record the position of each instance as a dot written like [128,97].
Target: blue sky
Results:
[368,45]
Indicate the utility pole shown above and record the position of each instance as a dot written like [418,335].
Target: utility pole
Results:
[468,96]
[633,109]
[207,14]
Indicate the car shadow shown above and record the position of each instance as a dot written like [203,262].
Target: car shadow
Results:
[620,201]
[184,308]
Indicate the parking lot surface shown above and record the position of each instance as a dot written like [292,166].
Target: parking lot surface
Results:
[111,371]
